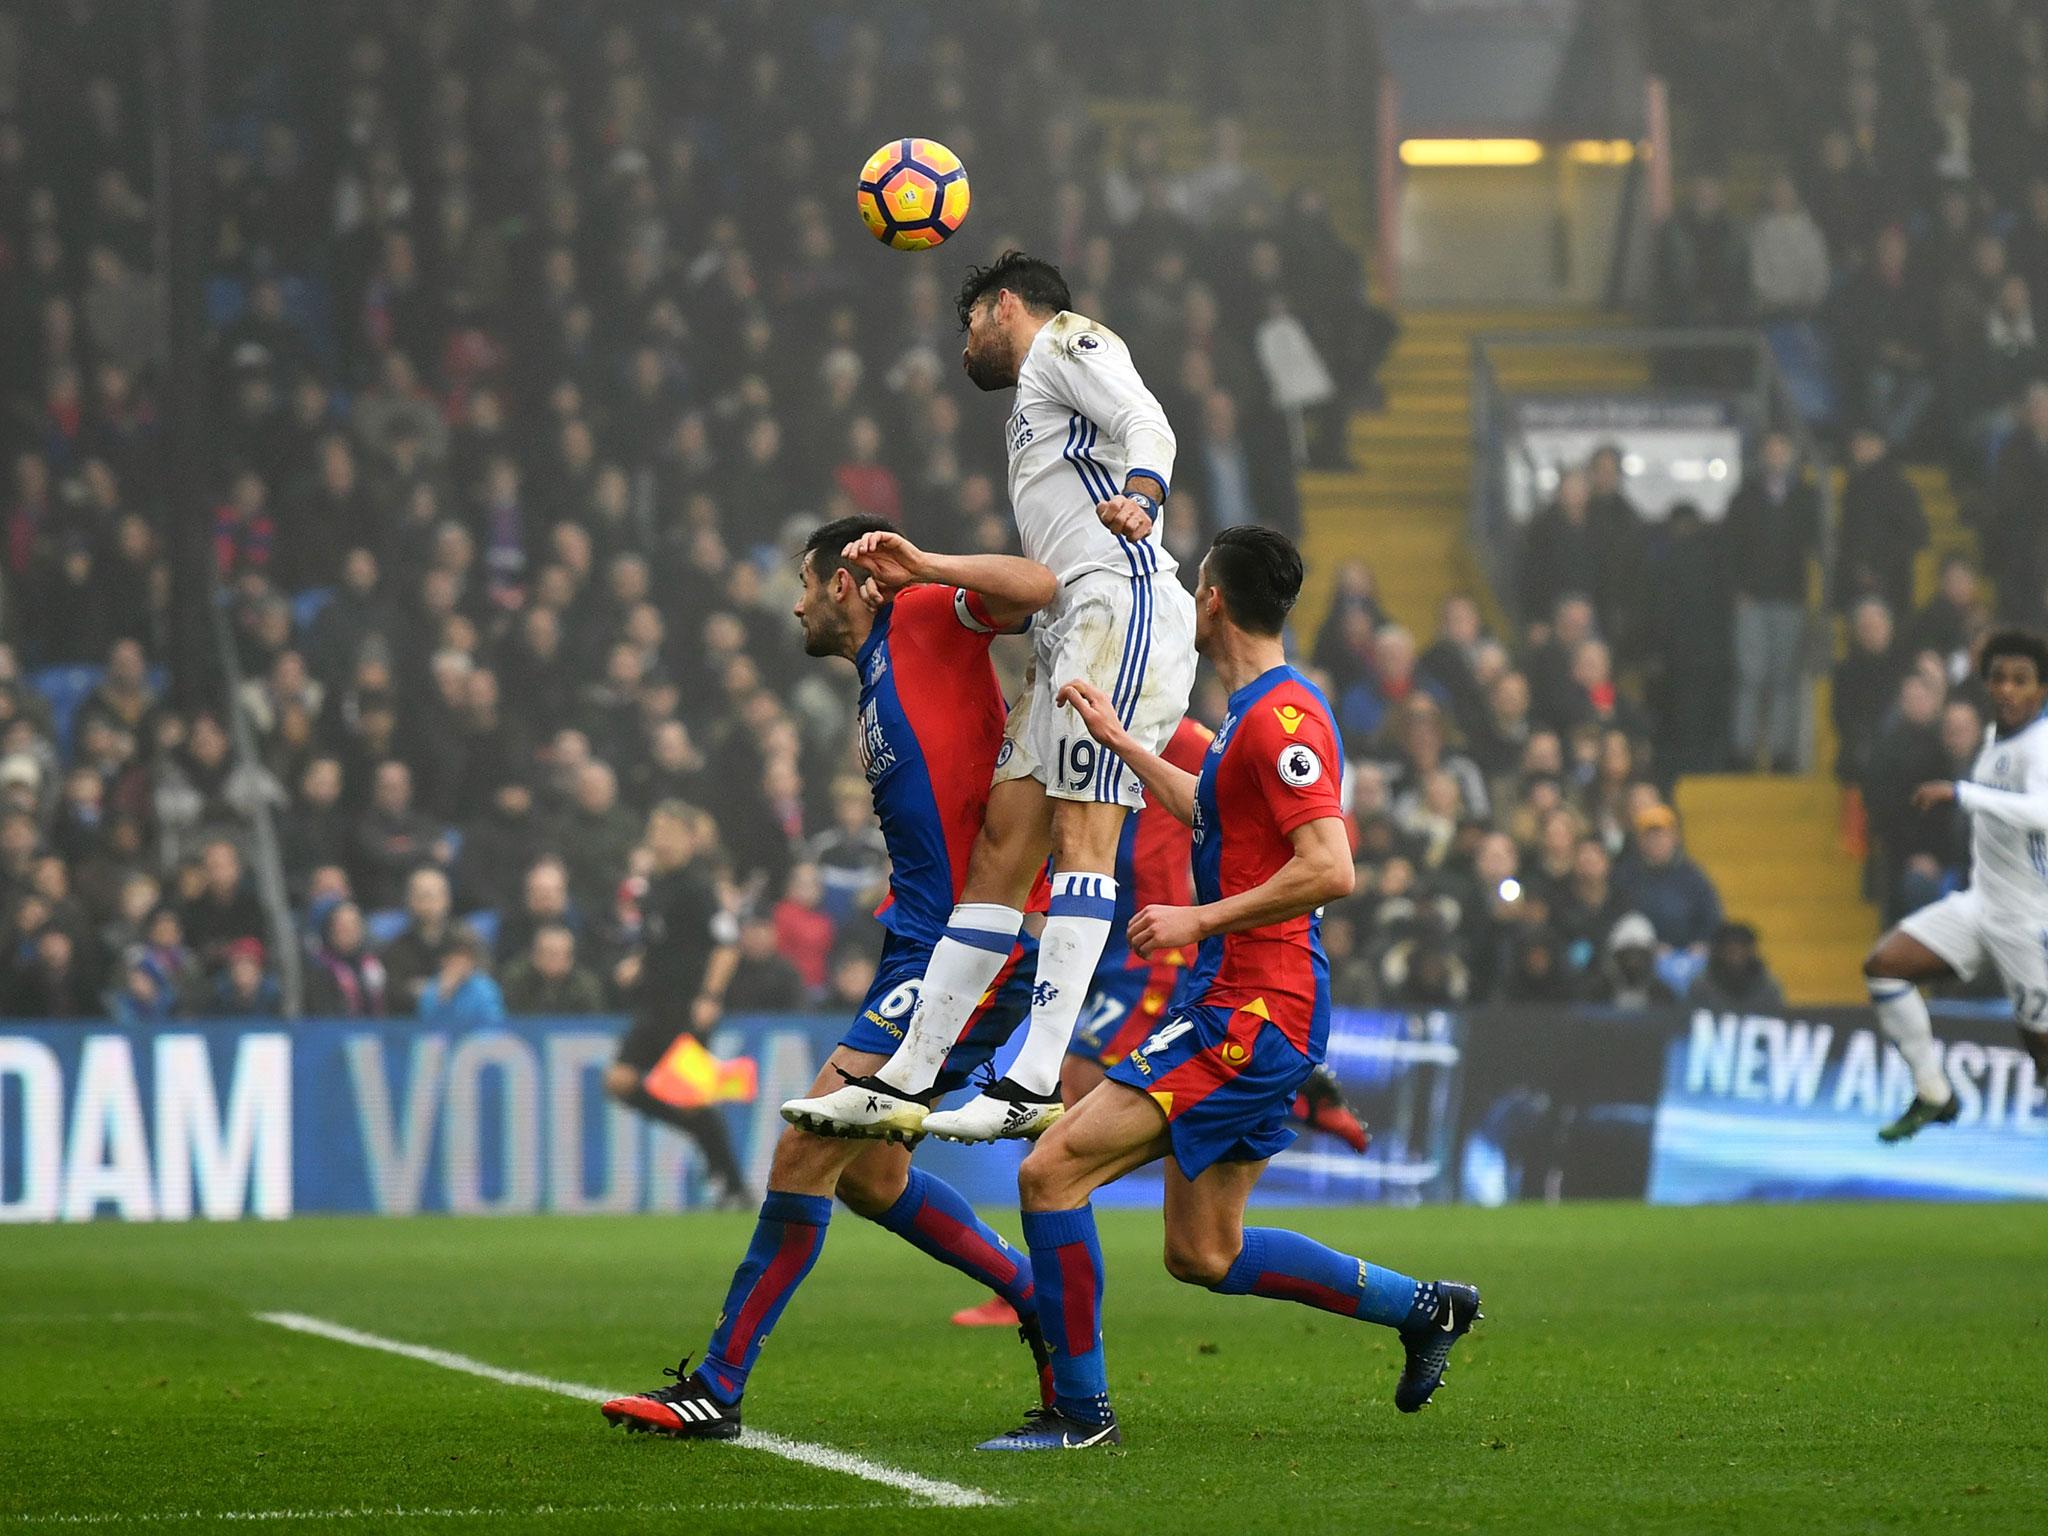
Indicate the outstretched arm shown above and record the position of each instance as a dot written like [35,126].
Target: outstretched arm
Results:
[1170,787]
[1319,871]
[1011,588]
[2027,812]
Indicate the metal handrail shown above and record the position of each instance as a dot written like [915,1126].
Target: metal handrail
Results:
[259,794]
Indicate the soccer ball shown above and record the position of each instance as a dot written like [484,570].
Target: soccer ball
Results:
[913,193]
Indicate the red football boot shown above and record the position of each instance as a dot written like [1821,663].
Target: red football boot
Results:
[993,1313]
[1320,1105]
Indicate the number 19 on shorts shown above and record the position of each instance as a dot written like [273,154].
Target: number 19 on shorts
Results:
[1076,761]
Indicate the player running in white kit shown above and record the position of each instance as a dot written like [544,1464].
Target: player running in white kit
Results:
[1091,460]
[2003,916]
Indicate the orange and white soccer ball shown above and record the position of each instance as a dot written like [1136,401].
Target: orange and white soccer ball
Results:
[913,193]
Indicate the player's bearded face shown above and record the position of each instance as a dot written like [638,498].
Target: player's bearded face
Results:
[988,356]
[825,629]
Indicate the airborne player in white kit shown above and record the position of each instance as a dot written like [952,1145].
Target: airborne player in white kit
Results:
[2003,916]
[1091,460]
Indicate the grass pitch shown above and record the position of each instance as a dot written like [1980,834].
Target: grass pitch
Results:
[1753,1370]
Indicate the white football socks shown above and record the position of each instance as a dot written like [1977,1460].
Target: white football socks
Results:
[1076,930]
[1902,1013]
[978,939]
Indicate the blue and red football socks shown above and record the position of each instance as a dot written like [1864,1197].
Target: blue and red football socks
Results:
[1290,1267]
[1066,1262]
[933,1217]
[787,1240]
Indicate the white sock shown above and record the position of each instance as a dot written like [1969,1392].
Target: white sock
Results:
[1902,1013]
[978,939]
[1076,929]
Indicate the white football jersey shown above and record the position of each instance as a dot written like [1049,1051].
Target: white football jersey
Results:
[1084,420]
[2007,798]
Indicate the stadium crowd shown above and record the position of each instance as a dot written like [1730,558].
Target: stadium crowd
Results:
[522,400]
[522,415]
[1898,259]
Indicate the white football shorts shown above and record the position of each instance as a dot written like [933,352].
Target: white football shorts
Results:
[1963,930]
[1132,637]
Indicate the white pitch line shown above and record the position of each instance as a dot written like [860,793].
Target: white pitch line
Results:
[431,1512]
[930,1489]
[24,1319]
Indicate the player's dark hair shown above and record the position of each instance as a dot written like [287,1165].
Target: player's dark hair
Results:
[2015,642]
[825,548]
[1258,572]
[1038,283]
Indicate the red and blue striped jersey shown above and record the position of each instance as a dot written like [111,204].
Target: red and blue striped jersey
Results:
[1273,767]
[1152,860]
[931,724]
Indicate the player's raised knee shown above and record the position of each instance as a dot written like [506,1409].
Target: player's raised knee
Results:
[1196,1260]
[1045,1179]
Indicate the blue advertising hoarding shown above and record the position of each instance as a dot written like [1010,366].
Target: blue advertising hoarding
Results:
[227,1120]
[271,1119]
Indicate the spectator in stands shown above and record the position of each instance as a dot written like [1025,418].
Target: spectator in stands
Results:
[1343,647]
[853,974]
[1908,752]
[2016,535]
[1865,683]
[1952,616]
[1561,551]
[1627,977]
[245,989]
[160,977]
[764,982]
[461,994]
[850,855]
[1585,914]
[123,697]
[1501,735]
[1703,261]
[804,931]
[1774,525]
[49,982]
[499,847]
[1451,662]
[1735,978]
[343,979]
[1536,974]
[595,835]
[1788,256]
[2007,357]
[414,956]
[548,979]
[543,903]
[1658,880]
[1392,681]
[1883,527]
[393,839]
[1884,332]
[318,829]
[226,908]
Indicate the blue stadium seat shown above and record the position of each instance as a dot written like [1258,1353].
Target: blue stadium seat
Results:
[225,300]
[485,923]
[307,605]
[64,689]
[385,924]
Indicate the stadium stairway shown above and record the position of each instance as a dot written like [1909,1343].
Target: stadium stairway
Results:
[1773,847]
[1403,508]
